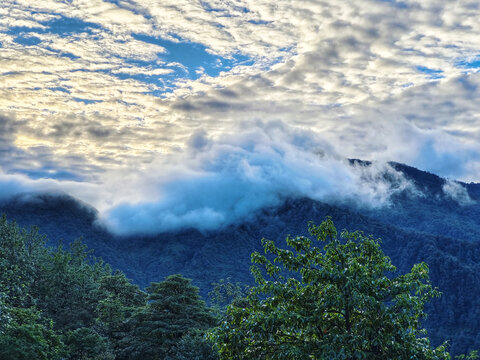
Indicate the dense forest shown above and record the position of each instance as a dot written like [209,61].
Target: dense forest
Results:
[58,303]
[426,226]
[339,302]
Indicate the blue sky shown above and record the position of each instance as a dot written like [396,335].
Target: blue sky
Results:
[185,59]
[95,92]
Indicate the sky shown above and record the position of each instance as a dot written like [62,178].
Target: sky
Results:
[164,114]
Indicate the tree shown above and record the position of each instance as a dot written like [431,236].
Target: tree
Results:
[118,301]
[64,285]
[67,289]
[340,301]
[25,335]
[174,310]
[224,293]
[192,346]
[21,251]
[473,355]
[87,344]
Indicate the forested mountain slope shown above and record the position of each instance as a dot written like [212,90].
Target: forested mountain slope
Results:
[434,224]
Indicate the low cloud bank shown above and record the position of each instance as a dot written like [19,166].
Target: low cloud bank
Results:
[213,183]
[218,180]
[25,189]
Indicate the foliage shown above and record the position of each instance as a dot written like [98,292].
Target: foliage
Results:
[174,310]
[25,335]
[193,346]
[68,286]
[20,252]
[119,299]
[339,302]
[63,284]
[472,356]
[86,344]
[225,292]
[416,226]
[86,312]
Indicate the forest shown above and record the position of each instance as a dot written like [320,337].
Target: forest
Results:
[334,297]
[63,303]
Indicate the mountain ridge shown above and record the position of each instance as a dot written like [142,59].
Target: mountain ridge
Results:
[409,228]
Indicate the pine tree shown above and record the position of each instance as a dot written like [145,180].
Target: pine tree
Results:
[174,310]
[25,335]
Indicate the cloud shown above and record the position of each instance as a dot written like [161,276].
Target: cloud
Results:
[457,192]
[8,128]
[98,93]
[313,64]
[12,185]
[216,182]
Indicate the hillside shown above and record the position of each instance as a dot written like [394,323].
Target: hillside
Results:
[427,226]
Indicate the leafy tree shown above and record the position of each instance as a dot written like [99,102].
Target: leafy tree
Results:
[473,355]
[63,284]
[340,301]
[193,346]
[174,310]
[225,292]
[86,344]
[25,335]
[68,287]
[20,254]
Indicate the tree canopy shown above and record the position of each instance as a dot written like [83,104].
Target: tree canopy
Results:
[170,320]
[337,301]
[63,303]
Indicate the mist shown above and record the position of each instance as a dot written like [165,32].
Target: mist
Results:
[215,182]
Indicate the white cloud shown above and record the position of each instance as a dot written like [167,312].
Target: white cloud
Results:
[215,182]
[355,72]
[11,185]
[457,192]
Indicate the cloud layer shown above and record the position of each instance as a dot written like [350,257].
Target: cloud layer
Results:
[219,180]
[93,89]
[215,183]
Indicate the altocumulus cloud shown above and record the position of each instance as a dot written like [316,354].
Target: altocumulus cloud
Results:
[98,90]
[321,64]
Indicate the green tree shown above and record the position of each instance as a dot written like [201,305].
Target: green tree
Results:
[340,301]
[21,251]
[25,335]
[119,299]
[87,344]
[67,289]
[63,284]
[193,346]
[174,309]
[224,293]
[473,355]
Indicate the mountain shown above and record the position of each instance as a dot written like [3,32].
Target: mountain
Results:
[438,223]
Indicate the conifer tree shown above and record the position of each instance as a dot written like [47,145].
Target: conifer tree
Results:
[174,310]
[118,301]
[25,335]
